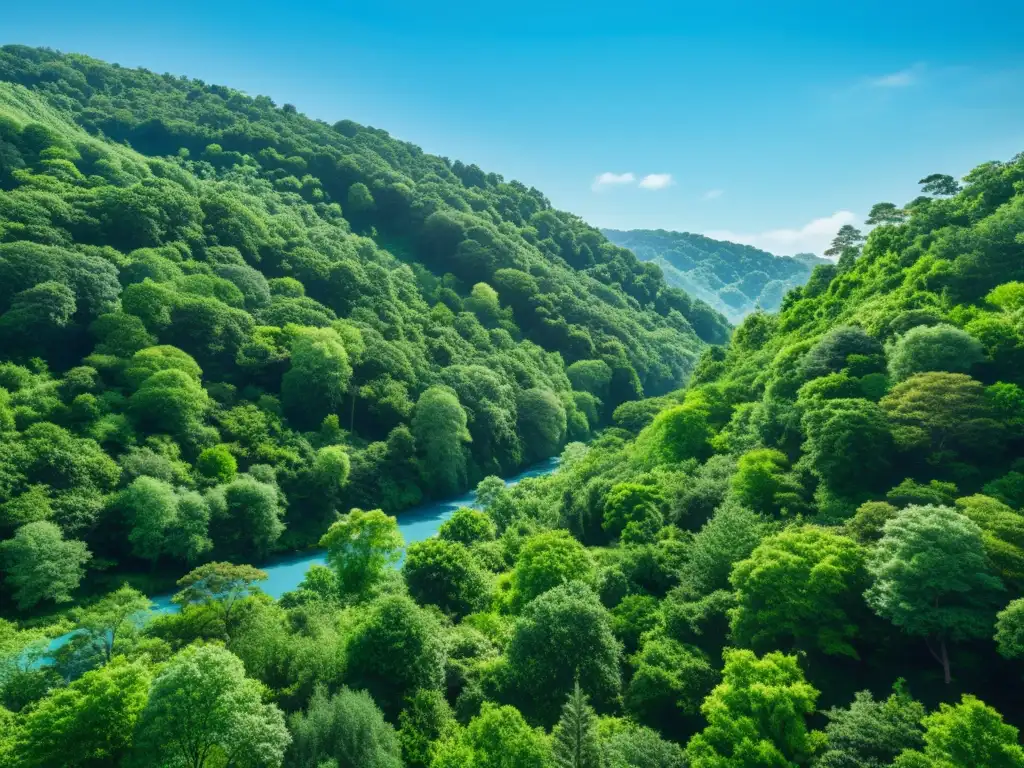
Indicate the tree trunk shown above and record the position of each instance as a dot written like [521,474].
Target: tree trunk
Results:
[352,413]
[942,656]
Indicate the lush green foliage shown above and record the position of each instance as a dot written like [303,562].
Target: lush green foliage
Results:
[222,324]
[215,354]
[346,728]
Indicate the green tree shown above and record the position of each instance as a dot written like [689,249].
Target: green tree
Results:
[848,443]
[439,426]
[221,587]
[760,478]
[246,516]
[1002,532]
[939,184]
[574,738]
[593,376]
[468,526]
[1010,630]
[831,354]
[632,615]
[425,722]
[444,573]
[360,546]
[331,468]
[398,649]
[869,733]
[801,587]
[934,348]
[848,237]
[169,401]
[483,302]
[1007,296]
[868,522]
[546,561]
[729,536]
[203,711]
[931,578]
[757,715]
[542,423]
[970,734]
[37,315]
[630,503]
[318,378]
[942,414]
[634,746]
[498,737]
[24,678]
[153,360]
[564,633]
[115,617]
[9,726]
[346,730]
[218,464]
[885,213]
[88,723]
[120,334]
[911,492]
[676,434]
[151,509]
[669,681]
[41,565]
[359,200]
[188,539]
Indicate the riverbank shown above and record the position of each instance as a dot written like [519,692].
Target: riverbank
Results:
[285,573]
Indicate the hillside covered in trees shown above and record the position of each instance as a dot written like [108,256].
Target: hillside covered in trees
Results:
[810,556]
[222,322]
[734,279]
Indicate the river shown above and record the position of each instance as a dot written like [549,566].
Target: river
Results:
[416,524]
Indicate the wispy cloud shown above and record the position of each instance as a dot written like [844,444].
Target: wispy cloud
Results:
[713,194]
[656,181]
[813,237]
[894,80]
[901,79]
[608,179]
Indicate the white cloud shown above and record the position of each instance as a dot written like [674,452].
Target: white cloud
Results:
[813,237]
[713,194]
[901,79]
[608,179]
[656,180]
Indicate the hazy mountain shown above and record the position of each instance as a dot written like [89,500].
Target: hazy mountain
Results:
[734,279]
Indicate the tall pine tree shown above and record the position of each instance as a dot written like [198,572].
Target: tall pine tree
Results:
[575,736]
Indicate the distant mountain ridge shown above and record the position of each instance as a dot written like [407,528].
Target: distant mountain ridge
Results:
[734,279]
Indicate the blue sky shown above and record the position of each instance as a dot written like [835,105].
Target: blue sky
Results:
[768,123]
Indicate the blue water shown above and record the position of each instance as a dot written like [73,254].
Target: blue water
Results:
[417,524]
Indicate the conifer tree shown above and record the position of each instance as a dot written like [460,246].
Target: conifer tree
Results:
[575,743]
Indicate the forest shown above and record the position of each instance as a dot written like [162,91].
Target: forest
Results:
[223,322]
[230,331]
[734,279]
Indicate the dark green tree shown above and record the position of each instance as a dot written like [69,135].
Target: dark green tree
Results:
[870,733]
[346,730]
[574,738]
[39,564]
[398,649]
[359,547]
[932,579]
[563,633]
